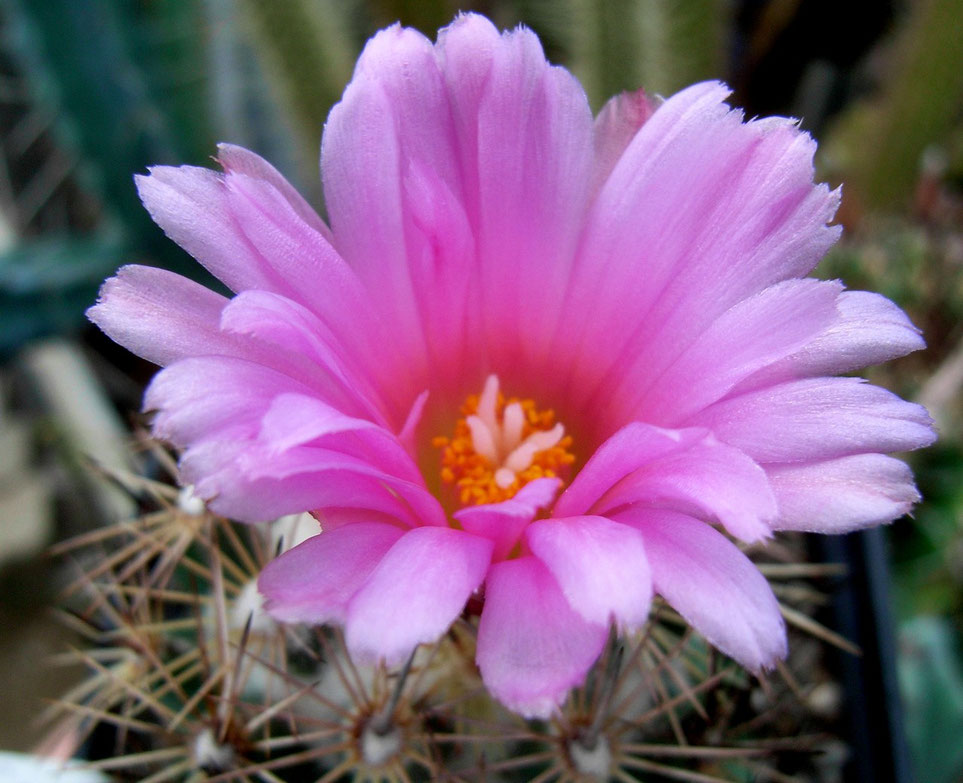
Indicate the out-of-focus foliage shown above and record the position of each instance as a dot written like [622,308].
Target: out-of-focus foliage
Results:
[932,681]
[880,143]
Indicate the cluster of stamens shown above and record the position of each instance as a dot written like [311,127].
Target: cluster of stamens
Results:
[499,445]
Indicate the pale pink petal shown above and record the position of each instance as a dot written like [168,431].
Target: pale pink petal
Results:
[868,329]
[198,398]
[842,495]
[416,592]
[750,335]
[190,205]
[600,565]
[503,523]
[235,159]
[715,587]
[161,316]
[313,582]
[532,646]
[818,419]
[701,211]
[616,126]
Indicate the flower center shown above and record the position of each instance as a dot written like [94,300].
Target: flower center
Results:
[499,445]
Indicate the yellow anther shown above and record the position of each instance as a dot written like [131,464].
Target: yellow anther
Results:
[478,478]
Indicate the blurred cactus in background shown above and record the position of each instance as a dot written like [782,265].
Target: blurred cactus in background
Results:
[187,678]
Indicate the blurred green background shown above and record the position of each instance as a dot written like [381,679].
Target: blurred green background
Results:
[92,91]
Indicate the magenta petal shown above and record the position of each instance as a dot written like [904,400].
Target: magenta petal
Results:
[684,469]
[161,316]
[299,256]
[842,495]
[228,477]
[532,646]
[524,133]
[600,565]
[298,420]
[313,582]
[503,523]
[302,478]
[715,587]
[630,448]
[416,592]
[709,480]
[190,204]
[287,329]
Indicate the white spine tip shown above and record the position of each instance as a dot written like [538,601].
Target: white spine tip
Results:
[189,503]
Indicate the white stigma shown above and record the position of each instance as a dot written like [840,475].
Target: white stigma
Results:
[500,441]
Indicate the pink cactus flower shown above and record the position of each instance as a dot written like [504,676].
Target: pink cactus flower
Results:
[551,362]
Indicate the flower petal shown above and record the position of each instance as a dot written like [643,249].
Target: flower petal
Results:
[242,161]
[298,420]
[200,398]
[684,469]
[301,256]
[715,587]
[394,112]
[709,480]
[161,316]
[842,495]
[615,127]
[241,480]
[313,582]
[190,205]
[524,132]
[503,523]
[633,446]
[701,211]
[600,565]
[287,329]
[416,592]
[752,334]
[315,478]
[868,329]
[532,646]
[818,419]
